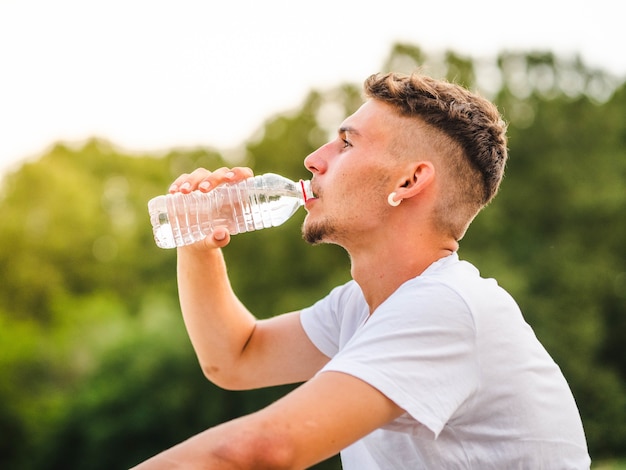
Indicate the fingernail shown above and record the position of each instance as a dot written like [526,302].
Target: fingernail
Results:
[219,235]
[229,175]
[173,188]
[204,185]
[185,186]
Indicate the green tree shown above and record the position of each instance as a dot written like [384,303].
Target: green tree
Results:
[96,362]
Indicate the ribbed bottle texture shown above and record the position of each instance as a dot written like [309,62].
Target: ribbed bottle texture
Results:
[258,202]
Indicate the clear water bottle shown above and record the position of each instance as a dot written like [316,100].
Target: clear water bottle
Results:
[258,202]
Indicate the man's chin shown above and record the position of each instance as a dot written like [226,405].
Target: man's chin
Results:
[315,233]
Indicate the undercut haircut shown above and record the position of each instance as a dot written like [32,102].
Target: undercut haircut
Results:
[466,131]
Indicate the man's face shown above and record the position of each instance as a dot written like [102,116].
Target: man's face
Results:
[351,177]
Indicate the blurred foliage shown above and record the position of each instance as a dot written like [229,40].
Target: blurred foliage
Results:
[96,370]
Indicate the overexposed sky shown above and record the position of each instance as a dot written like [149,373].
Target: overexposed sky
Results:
[149,75]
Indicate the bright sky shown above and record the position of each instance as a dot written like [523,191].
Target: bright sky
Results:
[149,75]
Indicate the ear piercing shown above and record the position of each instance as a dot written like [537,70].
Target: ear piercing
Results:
[391,201]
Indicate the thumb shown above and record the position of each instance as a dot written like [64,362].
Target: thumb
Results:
[221,237]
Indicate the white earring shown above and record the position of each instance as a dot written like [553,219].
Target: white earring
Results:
[392,202]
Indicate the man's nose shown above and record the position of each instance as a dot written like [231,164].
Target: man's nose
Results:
[316,162]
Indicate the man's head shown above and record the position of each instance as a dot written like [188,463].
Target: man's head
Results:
[466,140]
[431,144]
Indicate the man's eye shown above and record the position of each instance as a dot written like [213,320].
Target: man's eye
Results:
[346,143]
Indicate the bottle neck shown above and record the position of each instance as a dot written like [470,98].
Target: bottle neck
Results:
[306,190]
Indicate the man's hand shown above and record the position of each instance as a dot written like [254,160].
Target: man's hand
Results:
[204,180]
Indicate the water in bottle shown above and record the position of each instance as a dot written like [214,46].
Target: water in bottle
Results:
[258,202]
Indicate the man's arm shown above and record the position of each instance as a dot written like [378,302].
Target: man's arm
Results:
[309,425]
[234,349]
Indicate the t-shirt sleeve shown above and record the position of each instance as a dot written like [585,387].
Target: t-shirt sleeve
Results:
[418,348]
[325,321]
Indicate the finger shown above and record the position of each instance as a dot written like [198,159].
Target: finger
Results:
[242,172]
[195,179]
[218,239]
[205,180]
[224,175]
[188,182]
[175,186]
[221,237]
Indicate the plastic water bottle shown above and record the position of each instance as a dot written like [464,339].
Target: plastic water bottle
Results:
[258,202]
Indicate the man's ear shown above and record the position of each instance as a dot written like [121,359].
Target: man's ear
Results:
[420,176]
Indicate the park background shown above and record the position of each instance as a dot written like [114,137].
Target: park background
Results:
[96,371]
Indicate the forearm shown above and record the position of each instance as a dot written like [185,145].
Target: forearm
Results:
[218,324]
[306,426]
[234,445]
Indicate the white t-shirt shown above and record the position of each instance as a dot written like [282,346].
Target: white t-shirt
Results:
[453,350]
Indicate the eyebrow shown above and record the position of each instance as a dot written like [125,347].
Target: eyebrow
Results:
[348,130]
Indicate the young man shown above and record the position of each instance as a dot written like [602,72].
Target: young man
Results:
[418,362]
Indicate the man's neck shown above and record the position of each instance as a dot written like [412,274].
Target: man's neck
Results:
[379,273]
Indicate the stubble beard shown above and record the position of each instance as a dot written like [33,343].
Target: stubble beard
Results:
[316,233]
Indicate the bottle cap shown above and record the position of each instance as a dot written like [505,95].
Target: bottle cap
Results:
[306,190]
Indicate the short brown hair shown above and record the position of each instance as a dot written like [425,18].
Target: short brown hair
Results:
[456,119]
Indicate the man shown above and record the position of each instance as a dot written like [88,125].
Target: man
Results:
[418,362]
